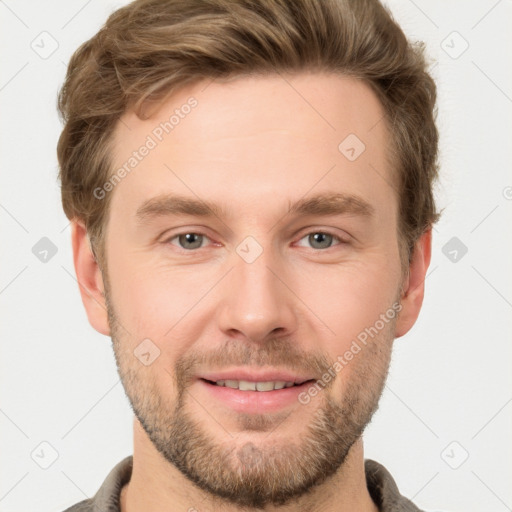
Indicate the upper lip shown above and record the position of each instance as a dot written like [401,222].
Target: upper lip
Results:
[256,376]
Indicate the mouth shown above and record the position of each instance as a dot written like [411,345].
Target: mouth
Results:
[262,386]
[244,392]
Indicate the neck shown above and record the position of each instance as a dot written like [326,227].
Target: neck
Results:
[155,484]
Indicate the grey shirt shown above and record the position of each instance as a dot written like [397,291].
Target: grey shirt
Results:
[380,483]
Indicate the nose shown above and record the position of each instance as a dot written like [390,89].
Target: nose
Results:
[257,301]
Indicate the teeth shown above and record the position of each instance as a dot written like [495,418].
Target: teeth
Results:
[244,385]
[264,386]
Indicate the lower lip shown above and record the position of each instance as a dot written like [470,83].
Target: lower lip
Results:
[255,401]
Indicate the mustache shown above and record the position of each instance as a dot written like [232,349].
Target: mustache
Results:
[274,353]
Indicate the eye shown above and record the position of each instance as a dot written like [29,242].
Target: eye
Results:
[321,240]
[316,239]
[188,241]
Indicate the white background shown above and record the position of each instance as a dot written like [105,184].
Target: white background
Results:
[450,378]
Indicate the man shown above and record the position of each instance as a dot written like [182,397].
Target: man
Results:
[250,189]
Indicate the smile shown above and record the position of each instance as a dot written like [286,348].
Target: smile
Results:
[245,385]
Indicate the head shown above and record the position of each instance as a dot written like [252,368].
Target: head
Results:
[298,143]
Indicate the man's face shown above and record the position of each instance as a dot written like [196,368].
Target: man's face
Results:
[257,291]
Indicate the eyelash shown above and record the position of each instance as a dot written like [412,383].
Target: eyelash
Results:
[335,238]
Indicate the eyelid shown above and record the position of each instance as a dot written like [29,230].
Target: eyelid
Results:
[171,233]
[167,239]
[339,233]
[341,240]
[310,230]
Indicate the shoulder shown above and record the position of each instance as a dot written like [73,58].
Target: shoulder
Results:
[384,491]
[83,506]
[107,497]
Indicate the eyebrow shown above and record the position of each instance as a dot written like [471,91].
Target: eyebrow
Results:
[322,204]
[332,204]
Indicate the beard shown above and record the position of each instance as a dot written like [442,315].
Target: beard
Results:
[268,470]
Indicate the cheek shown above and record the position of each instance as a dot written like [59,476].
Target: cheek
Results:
[153,311]
[358,308]
[156,301]
[349,299]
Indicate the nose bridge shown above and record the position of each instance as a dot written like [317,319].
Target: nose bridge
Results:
[256,302]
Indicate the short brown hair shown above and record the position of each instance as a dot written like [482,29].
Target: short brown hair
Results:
[150,48]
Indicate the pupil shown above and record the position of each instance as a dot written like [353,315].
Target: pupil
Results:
[322,239]
[190,241]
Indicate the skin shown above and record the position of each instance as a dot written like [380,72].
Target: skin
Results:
[252,145]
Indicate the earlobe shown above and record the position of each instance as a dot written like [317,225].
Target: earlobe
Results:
[414,286]
[90,279]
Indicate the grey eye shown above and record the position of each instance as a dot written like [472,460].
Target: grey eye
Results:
[320,240]
[190,240]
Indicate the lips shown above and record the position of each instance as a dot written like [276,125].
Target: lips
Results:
[247,380]
[245,385]
[256,393]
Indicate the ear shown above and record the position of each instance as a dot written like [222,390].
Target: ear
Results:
[414,285]
[90,279]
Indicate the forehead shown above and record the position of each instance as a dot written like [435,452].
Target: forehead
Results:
[279,136]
